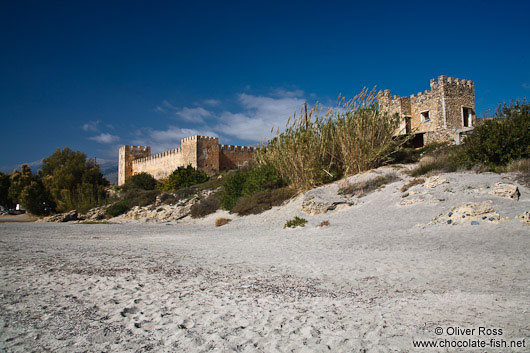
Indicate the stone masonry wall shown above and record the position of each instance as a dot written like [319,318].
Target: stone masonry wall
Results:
[201,152]
[231,157]
[126,156]
[444,102]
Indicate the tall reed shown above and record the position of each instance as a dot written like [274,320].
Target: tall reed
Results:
[318,147]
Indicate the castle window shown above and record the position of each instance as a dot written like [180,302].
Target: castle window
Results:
[425,116]
[467,117]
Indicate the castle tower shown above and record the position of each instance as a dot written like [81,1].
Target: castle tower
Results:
[127,154]
[446,112]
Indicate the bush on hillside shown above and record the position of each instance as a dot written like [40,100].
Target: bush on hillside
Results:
[205,206]
[261,201]
[500,140]
[117,209]
[141,181]
[184,177]
[247,181]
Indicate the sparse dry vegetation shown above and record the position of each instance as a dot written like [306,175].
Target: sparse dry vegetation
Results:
[415,181]
[222,221]
[363,188]
[324,224]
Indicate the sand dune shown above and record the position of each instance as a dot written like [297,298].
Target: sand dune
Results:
[381,275]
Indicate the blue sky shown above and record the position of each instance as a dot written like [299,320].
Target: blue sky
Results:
[96,75]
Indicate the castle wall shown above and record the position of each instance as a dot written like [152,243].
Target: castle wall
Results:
[201,152]
[126,156]
[160,165]
[208,154]
[231,157]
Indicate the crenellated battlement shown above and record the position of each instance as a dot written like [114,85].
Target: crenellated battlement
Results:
[237,148]
[449,104]
[201,152]
[158,156]
[444,85]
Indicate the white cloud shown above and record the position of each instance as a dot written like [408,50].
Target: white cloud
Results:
[212,102]
[194,115]
[259,115]
[91,126]
[105,138]
[163,140]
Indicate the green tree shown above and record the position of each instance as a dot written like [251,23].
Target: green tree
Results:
[73,181]
[18,181]
[35,199]
[5,182]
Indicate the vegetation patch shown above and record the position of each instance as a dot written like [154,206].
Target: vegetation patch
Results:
[95,222]
[323,224]
[117,208]
[205,206]
[415,181]
[261,201]
[522,167]
[248,181]
[319,148]
[295,222]
[184,177]
[222,221]
[140,181]
[364,188]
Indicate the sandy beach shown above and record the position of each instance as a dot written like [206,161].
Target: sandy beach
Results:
[379,277]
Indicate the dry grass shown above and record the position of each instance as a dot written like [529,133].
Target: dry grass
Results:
[363,188]
[222,221]
[416,181]
[324,224]
[317,148]
[521,166]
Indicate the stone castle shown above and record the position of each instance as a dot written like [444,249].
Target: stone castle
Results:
[201,152]
[446,112]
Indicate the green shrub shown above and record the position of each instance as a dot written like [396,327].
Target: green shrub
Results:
[185,177]
[205,206]
[261,201]
[232,189]
[500,140]
[141,181]
[363,188]
[247,181]
[295,222]
[139,197]
[117,209]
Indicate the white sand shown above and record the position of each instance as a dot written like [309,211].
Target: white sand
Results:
[376,279]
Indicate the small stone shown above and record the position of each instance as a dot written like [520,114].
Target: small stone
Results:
[449,221]
[450,214]
[474,223]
